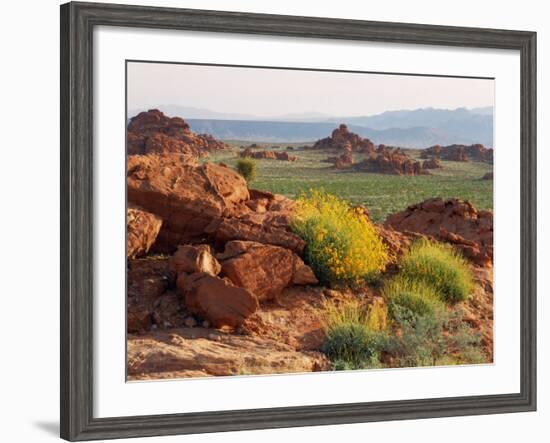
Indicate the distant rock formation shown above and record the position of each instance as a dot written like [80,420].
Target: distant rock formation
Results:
[460,153]
[344,160]
[343,139]
[391,160]
[432,163]
[152,132]
[268,155]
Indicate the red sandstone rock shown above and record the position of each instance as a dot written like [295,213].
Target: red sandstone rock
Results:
[454,221]
[142,230]
[389,160]
[432,163]
[461,153]
[264,270]
[302,273]
[194,258]
[269,155]
[147,280]
[216,299]
[264,228]
[154,132]
[186,196]
[344,160]
[342,139]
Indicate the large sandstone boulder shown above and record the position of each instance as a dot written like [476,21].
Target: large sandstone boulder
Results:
[194,258]
[453,220]
[267,228]
[142,230]
[216,299]
[264,270]
[186,196]
[268,221]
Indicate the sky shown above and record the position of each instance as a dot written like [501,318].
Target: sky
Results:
[272,92]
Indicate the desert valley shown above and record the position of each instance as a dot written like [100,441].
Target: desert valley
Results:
[251,258]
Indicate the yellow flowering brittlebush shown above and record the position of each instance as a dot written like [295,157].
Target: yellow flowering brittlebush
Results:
[342,245]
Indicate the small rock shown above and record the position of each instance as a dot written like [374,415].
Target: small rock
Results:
[194,258]
[190,322]
[331,293]
[205,324]
[214,337]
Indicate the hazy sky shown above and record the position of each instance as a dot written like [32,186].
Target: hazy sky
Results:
[275,92]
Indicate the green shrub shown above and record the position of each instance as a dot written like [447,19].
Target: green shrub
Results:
[432,339]
[355,334]
[415,297]
[420,341]
[439,266]
[353,346]
[342,245]
[247,168]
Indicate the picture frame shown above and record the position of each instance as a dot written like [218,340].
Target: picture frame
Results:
[78,21]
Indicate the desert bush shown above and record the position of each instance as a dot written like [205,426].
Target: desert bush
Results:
[353,346]
[439,266]
[438,337]
[420,341]
[355,334]
[410,297]
[247,168]
[342,245]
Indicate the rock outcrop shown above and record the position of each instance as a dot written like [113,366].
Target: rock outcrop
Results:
[342,139]
[454,221]
[389,160]
[264,270]
[142,230]
[267,221]
[431,163]
[262,228]
[154,132]
[216,299]
[186,196]
[344,160]
[460,153]
[197,352]
[268,155]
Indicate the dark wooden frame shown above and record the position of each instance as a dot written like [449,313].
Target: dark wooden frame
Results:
[77,24]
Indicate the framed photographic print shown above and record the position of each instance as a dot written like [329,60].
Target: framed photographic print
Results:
[273,221]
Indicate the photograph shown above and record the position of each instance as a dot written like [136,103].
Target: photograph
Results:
[285,220]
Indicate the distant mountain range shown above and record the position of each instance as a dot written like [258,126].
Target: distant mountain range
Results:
[419,128]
